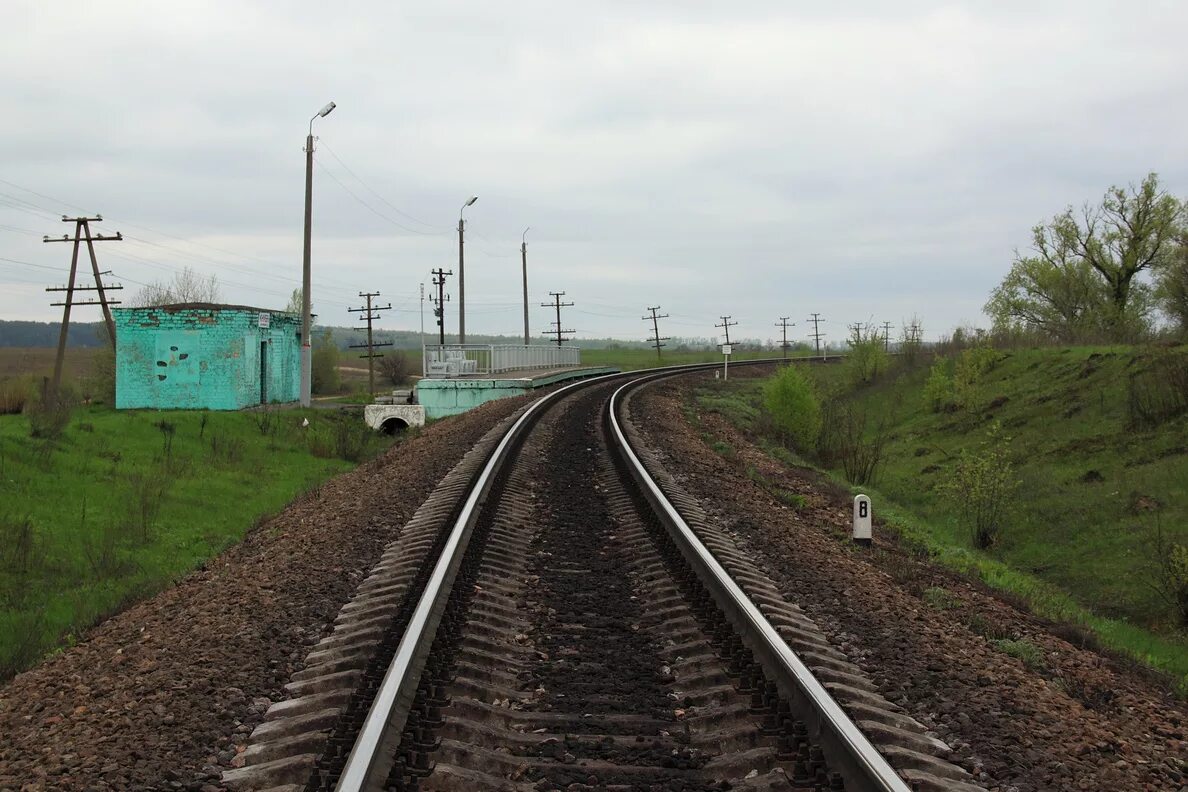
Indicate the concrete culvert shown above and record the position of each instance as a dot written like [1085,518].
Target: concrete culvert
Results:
[393,426]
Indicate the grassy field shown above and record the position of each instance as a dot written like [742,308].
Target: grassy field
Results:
[123,503]
[36,361]
[1094,488]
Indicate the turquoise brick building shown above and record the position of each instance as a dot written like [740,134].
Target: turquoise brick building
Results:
[196,355]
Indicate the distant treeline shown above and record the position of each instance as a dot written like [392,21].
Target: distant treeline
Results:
[89,334]
[45,334]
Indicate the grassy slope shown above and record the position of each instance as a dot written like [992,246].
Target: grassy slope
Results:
[1078,550]
[80,494]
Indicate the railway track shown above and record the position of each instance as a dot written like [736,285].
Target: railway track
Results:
[559,615]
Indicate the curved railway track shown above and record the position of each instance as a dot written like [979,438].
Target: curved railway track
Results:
[559,615]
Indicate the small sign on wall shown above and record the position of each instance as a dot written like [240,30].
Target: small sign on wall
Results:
[862,520]
[265,320]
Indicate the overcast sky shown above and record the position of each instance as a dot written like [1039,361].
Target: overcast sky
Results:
[864,160]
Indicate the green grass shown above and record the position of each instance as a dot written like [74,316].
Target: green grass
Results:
[634,359]
[115,517]
[1078,547]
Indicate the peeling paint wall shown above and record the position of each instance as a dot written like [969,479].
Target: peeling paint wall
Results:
[204,357]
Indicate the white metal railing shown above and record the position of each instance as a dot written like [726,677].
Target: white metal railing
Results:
[456,360]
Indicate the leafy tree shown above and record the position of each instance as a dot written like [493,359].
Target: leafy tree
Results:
[1084,274]
[789,399]
[294,304]
[1172,286]
[324,365]
[1053,292]
[186,286]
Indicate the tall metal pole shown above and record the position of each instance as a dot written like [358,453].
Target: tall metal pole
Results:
[422,329]
[461,282]
[306,318]
[462,272]
[524,259]
[306,297]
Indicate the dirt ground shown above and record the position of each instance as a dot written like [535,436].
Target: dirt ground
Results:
[950,652]
[158,696]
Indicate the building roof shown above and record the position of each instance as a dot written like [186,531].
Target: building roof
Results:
[197,306]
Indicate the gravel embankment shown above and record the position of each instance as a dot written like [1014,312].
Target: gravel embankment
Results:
[1066,719]
[162,695]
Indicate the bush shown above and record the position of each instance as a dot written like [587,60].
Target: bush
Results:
[843,442]
[1160,392]
[866,360]
[49,416]
[983,487]
[1171,573]
[789,400]
[15,393]
[971,367]
[938,390]
[325,364]
[397,367]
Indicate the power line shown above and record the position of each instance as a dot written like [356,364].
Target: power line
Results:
[442,230]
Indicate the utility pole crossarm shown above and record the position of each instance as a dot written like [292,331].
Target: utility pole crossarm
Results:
[369,314]
[556,304]
[726,325]
[82,233]
[784,324]
[656,339]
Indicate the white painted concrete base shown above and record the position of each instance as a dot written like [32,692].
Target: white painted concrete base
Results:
[377,415]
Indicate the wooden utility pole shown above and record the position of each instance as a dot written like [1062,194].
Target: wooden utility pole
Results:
[726,325]
[558,305]
[370,313]
[816,334]
[656,338]
[784,325]
[886,336]
[82,233]
[439,276]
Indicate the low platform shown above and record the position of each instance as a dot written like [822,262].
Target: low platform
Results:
[454,395]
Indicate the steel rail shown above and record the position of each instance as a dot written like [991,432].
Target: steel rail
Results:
[374,753]
[846,748]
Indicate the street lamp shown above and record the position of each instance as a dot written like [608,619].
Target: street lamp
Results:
[524,258]
[306,319]
[462,274]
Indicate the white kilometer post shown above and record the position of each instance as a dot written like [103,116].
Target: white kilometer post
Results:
[725,362]
[861,520]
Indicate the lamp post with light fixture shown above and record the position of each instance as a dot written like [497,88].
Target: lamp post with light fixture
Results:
[306,319]
[524,260]
[462,274]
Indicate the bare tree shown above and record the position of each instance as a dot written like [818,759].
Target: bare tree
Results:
[186,286]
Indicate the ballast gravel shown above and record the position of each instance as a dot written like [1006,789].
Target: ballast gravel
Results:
[164,694]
